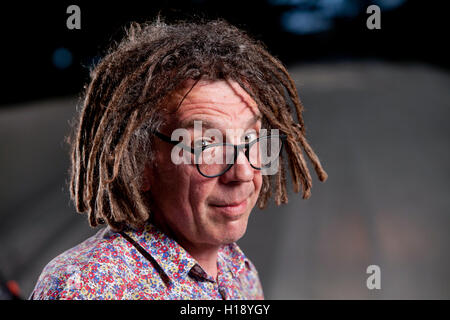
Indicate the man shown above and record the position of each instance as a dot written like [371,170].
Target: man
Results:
[172,226]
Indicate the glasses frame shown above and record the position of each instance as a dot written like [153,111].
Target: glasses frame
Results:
[237,148]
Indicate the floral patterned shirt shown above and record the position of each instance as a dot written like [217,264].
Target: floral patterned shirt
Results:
[144,264]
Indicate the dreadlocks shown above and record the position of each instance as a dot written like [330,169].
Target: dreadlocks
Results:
[124,103]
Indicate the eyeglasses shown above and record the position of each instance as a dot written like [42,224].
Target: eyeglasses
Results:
[215,159]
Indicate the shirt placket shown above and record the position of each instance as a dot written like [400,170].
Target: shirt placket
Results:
[225,280]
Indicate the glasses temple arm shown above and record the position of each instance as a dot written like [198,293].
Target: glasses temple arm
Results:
[175,143]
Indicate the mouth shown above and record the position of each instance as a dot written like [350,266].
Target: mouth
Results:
[229,204]
[233,209]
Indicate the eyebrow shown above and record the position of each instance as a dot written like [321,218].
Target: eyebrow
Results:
[189,124]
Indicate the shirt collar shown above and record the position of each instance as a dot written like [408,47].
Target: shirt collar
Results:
[234,258]
[176,262]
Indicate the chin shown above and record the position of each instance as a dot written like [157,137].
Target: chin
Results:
[227,227]
[232,231]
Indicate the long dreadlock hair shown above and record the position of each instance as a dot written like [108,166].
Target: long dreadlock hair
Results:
[124,103]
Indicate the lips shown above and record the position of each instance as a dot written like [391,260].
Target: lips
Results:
[231,210]
[229,204]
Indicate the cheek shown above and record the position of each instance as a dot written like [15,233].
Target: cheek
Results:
[257,181]
[200,189]
[184,187]
[168,181]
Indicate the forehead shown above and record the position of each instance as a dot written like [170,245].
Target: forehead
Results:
[224,101]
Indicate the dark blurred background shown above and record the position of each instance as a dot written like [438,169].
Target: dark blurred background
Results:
[376,110]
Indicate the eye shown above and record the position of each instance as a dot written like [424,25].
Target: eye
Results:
[250,136]
[203,142]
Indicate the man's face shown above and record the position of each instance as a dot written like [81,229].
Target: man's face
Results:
[200,211]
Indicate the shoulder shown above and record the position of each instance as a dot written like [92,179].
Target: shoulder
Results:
[84,271]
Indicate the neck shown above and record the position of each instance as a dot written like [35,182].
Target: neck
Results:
[204,254]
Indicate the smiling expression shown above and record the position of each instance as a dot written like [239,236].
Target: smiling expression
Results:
[195,210]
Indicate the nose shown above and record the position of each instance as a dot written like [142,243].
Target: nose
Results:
[241,171]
